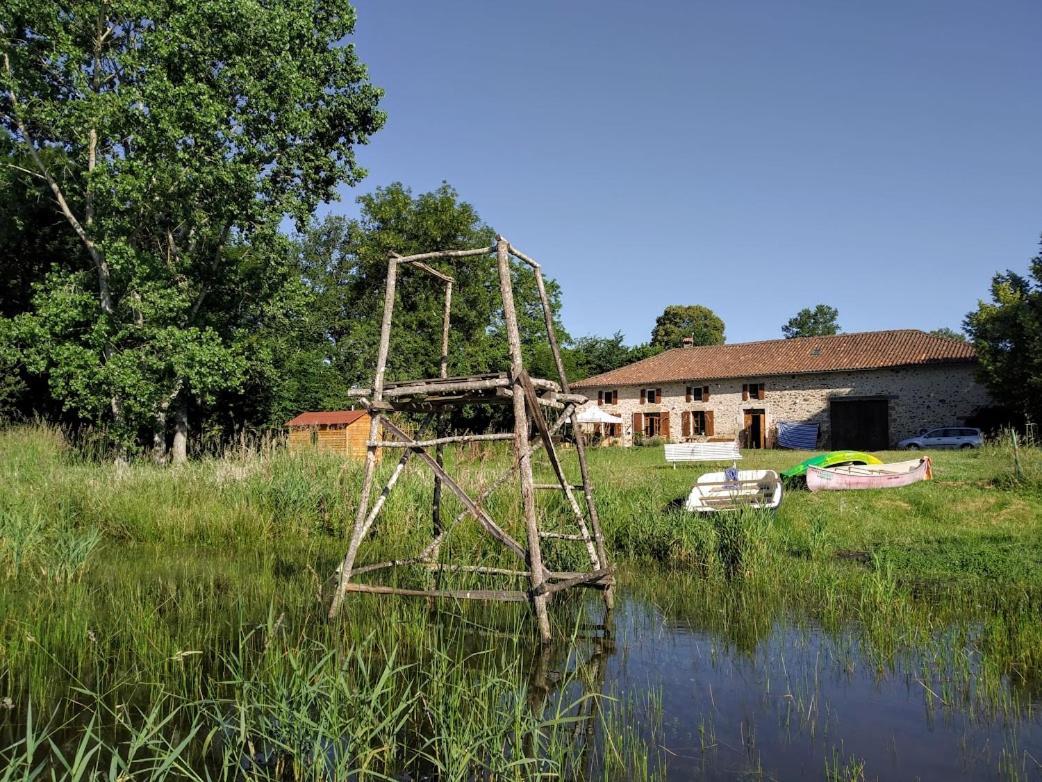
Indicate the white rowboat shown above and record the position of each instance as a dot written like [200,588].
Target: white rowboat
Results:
[718,491]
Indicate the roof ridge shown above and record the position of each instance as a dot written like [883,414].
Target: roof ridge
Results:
[796,339]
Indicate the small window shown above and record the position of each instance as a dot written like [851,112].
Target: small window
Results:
[697,393]
[611,397]
[752,391]
[652,396]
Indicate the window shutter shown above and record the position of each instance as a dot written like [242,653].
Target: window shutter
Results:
[658,395]
[664,419]
[710,430]
[685,423]
[745,392]
[760,391]
[705,393]
[638,423]
[600,397]
[688,399]
[643,395]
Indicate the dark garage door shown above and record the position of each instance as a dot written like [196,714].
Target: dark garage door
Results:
[860,424]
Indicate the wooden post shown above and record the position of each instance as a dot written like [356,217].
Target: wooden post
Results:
[444,373]
[439,453]
[580,446]
[521,448]
[374,430]
[1018,471]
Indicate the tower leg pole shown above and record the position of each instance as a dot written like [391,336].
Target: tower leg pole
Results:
[439,453]
[521,449]
[370,455]
[580,445]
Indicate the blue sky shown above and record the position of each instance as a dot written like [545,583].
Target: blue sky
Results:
[756,157]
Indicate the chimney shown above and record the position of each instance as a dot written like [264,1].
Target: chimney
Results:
[687,342]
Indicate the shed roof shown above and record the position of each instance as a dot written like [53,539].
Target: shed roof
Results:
[326,417]
[842,352]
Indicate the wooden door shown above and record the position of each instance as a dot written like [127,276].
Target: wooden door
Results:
[755,429]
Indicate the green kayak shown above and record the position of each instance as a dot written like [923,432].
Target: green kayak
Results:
[830,459]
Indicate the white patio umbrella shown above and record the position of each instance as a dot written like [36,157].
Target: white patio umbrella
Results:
[594,415]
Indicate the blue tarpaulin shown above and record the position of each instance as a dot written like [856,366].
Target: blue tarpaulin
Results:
[799,436]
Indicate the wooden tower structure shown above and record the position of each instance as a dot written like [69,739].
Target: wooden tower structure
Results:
[541,409]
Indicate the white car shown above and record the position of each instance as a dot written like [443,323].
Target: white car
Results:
[948,437]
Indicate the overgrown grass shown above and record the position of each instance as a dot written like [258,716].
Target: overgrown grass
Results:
[144,605]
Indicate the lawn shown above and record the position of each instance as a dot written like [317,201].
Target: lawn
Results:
[971,526]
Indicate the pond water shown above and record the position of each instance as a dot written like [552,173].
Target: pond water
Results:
[799,703]
[716,686]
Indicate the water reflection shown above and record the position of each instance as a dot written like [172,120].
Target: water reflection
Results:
[786,702]
[583,666]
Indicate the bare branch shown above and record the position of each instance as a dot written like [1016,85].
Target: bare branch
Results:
[36,174]
[95,253]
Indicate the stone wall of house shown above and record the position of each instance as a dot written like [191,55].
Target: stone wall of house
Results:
[918,398]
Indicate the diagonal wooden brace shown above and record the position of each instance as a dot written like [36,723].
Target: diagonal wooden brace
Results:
[491,488]
[551,452]
[478,512]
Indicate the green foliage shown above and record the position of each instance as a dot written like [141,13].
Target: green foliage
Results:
[33,241]
[679,321]
[1007,335]
[12,382]
[594,355]
[947,333]
[32,236]
[820,321]
[343,264]
[177,159]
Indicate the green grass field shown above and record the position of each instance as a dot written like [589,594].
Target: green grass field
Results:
[134,595]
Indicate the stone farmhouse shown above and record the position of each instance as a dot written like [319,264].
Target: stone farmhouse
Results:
[865,390]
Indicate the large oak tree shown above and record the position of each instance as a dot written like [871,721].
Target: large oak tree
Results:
[185,134]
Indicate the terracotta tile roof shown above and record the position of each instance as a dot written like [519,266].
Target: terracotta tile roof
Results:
[327,417]
[864,350]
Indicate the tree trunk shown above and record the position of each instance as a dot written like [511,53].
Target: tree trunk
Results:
[179,452]
[159,438]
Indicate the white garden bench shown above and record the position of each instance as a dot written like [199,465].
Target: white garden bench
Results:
[702,452]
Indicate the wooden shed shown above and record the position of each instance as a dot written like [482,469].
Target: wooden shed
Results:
[342,431]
